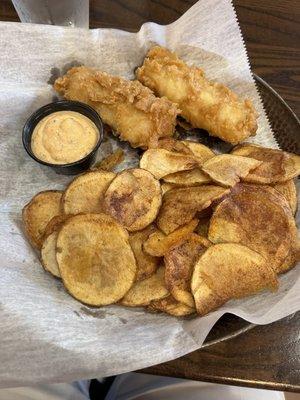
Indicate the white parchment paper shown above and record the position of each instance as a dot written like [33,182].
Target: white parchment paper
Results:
[45,335]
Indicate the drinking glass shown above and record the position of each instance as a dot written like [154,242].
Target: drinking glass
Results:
[74,13]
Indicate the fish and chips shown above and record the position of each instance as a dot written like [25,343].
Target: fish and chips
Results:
[187,230]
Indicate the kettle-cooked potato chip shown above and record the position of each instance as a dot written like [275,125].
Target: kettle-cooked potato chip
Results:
[55,223]
[165,187]
[86,192]
[179,263]
[111,161]
[172,144]
[48,250]
[171,306]
[277,166]
[146,264]
[48,254]
[229,271]
[292,258]
[256,216]
[289,191]
[227,169]
[192,177]
[201,152]
[181,205]
[158,243]
[133,198]
[161,162]
[38,212]
[143,292]
[95,259]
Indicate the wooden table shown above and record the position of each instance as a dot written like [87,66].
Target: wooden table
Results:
[265,356]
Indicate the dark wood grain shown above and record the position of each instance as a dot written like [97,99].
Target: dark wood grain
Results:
[265,356]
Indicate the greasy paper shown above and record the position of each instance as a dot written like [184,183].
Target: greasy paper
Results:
[46,335]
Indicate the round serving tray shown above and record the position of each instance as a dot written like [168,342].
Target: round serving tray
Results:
[286,127]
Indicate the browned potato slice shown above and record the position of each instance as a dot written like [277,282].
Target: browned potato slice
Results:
[201,152]
[171,306]
[95,259]
[165,187]
[256,216]
[143,292]
[161,162]
[229,271]
[38,212]
[48,254]
[48,250]
[159,244]
[292,258]
[181,205]
[55,223]
[277,166]
[289,191]
[146,264]
[172,144]
[86,192]
[227,169]
[111,161]
[187,178]
[179,263]
[133,198]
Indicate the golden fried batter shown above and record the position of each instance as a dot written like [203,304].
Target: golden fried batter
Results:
[205,104]
[127,106]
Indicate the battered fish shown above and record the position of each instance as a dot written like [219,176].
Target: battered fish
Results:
[128,107]
[205,104]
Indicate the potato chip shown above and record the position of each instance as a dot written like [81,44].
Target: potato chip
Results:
[289,191]
[85,194]
[193,177]
[256,216]
[161,162]
[229,271]
[48,250]
[171,306]
[146,264]
[227,169]
[133,198]
[158,243]
[201,152]
[172,144]
[292,257]
[38,212]
[143,292]
[48,254]
[55,223]
[179,263]
[95,259]
[181,205]
[165,187]
[111,161]
[277,166]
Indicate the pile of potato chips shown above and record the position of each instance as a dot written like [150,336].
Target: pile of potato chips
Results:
[184,233]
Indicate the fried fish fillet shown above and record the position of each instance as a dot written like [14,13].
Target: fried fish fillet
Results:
[204,103]
[128,107]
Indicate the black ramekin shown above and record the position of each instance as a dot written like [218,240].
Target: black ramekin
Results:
[75,167]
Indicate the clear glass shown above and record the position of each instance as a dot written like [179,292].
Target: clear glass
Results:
[74,13]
